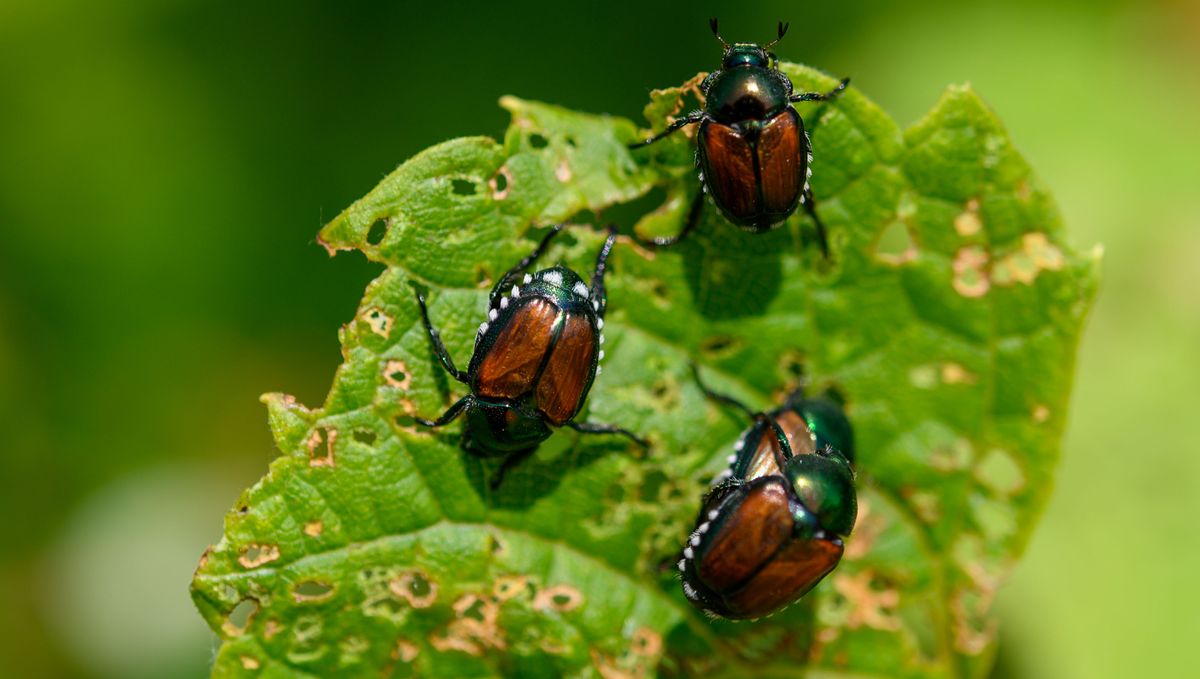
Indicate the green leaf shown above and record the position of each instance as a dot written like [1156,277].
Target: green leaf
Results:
[948,317]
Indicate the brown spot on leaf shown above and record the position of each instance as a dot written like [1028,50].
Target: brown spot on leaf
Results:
[561,598]
[968,223]
[563,172]
[330,247]
[271,628]
[447,643]
[554,647]
[240,616]
[501,183]
[970,272]
[509,586]
[474,627]
[1040,413]
[609,669]
[395,373]
[1037,254]
[869,607]
[314,528]
[414,587]
[255,555]
[646,642]
[379,322]
[249,662]
[326,436]
[867,528]
[405,651]
[969,609]
[953,373]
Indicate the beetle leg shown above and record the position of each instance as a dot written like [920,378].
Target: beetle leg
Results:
[693,219]
[511,460]
[721,398]
[810,209]
[598,293]
[689,119]
[817,96]
[597,428]
[451,413]
[784,449]
[436,340]
[512,273]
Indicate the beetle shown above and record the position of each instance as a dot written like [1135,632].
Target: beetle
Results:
[752,151]
[775,522]
[535,358]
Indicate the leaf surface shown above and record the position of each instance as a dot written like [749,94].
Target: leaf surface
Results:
[947,318]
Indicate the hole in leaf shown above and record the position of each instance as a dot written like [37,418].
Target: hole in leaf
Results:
[652,485]
[312,590]
[419,586]
[307,627]
[629,213]
[792,364]
[537,141]
[418,590]
[475,611]
[560,598]
[364,436]
[462,187]
[895,244]
[500,183]
[253,556]
[320,447]
[483,276]
[395,373]
[241,616]
[615,493]
[377,231]
[509,586]
[720,346]
[380,323]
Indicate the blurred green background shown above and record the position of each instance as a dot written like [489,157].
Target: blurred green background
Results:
[164,167]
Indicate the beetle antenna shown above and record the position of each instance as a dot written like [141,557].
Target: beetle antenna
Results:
[717,34]
[783,28]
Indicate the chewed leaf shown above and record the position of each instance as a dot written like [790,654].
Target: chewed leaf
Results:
[947,318]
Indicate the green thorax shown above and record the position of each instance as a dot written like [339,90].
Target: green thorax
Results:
[746,92]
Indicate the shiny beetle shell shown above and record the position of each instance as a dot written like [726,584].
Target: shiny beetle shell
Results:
[541,346]
[755,551]
[754,169]
[775,523]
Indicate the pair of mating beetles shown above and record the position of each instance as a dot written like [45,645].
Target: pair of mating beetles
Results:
[773,524]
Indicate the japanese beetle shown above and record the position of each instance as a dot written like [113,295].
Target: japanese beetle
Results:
[535,358]
[775,522]
[752,151]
